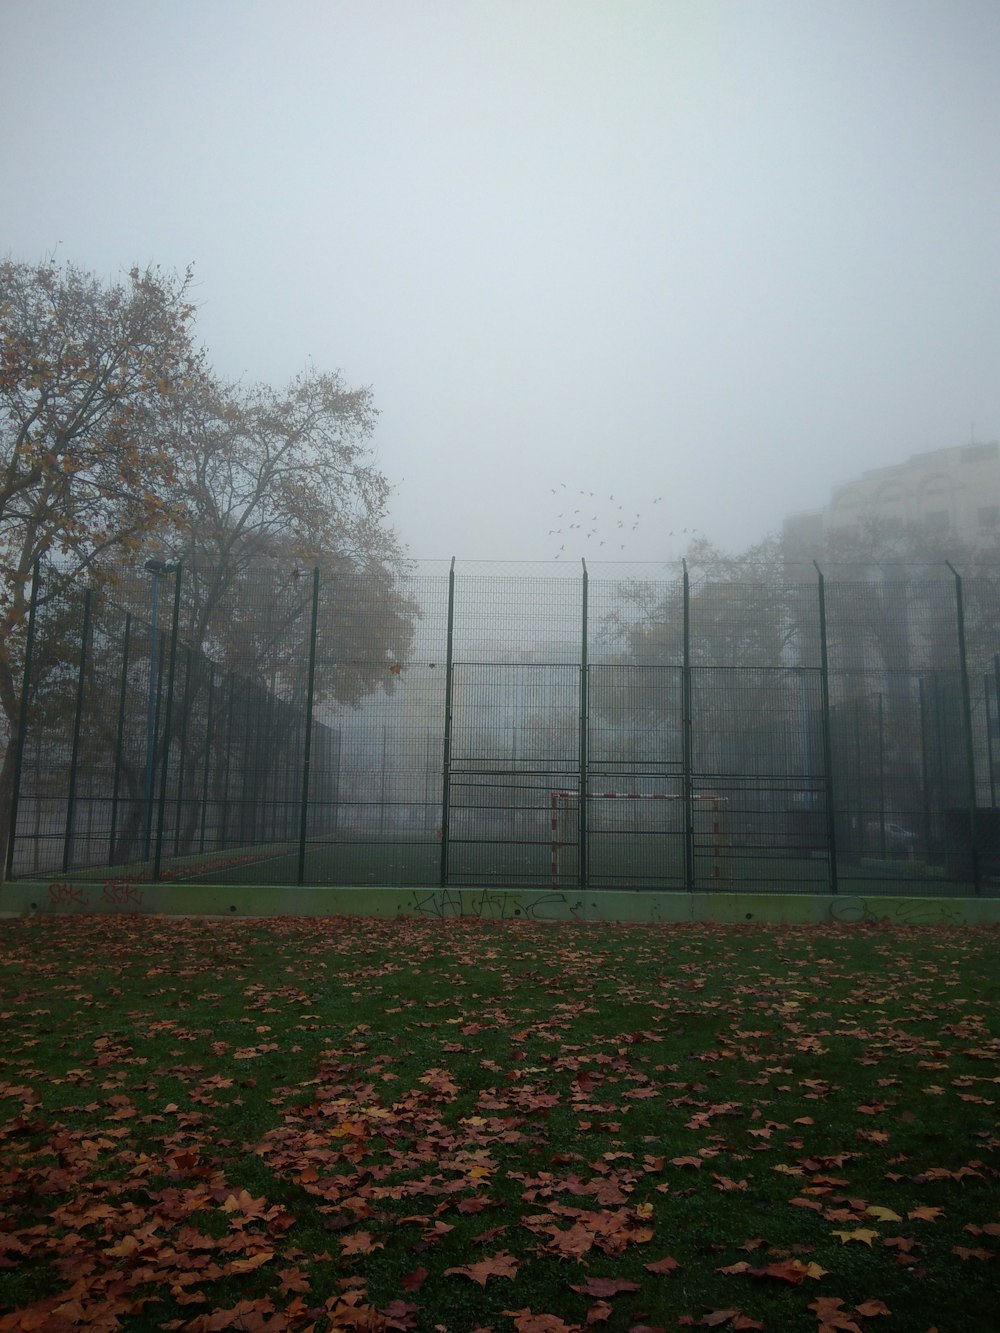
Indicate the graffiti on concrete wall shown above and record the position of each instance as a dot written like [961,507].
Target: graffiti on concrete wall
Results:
[896,912]
[121,895]
[68,895]
[117,893]
[496,905]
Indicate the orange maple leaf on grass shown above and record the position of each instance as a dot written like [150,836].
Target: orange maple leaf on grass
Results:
[871,1308]
[863,1234]
[789,1270]
[604,1286]
[832,1316]
[665,1265]
[525,1321]
[360,1243]
[245,1203]
[501,1265]
[292,1279]
[249,1264]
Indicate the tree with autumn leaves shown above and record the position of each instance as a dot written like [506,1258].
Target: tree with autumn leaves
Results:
[117,442]
[85,371]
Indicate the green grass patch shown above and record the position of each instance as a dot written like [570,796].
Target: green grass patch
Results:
[361,1123]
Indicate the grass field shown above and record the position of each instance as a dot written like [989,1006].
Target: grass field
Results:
[364,1124]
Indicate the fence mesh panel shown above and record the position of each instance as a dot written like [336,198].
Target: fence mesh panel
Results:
[621,726]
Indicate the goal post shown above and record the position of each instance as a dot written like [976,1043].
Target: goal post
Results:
[710,818]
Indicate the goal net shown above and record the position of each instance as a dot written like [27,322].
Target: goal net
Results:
[641,833]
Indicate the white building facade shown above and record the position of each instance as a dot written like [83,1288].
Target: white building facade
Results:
[951,491]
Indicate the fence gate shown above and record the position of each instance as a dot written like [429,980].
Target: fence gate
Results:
[515,739]
[561,775]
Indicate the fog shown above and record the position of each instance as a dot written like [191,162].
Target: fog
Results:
[587,254]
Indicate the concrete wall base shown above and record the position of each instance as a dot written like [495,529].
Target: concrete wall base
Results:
[31,898]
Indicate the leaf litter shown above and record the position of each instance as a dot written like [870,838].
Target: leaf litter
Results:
[304,1125]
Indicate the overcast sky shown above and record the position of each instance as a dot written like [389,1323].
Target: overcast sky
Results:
[729,254]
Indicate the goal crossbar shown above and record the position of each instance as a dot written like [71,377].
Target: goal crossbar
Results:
[717,805]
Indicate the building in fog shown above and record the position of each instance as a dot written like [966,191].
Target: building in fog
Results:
[951,491]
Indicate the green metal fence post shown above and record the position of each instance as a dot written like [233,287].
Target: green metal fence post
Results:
[583,865]
[269,747]
[448,697]
[831,819]
[925,771]
[77,726]
[970,758]
[119,738]
[859,840]
[227,763]
[989,739]
[167,718]
[22,717]
[881,777]
[686,738]
[208,756]
[944,777]
[182,750]
[307,742]
[156,568]
[293,765]
[248,753]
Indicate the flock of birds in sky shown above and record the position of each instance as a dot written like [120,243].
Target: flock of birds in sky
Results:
[587,520]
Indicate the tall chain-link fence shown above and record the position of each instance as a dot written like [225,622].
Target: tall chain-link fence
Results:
[629,727]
